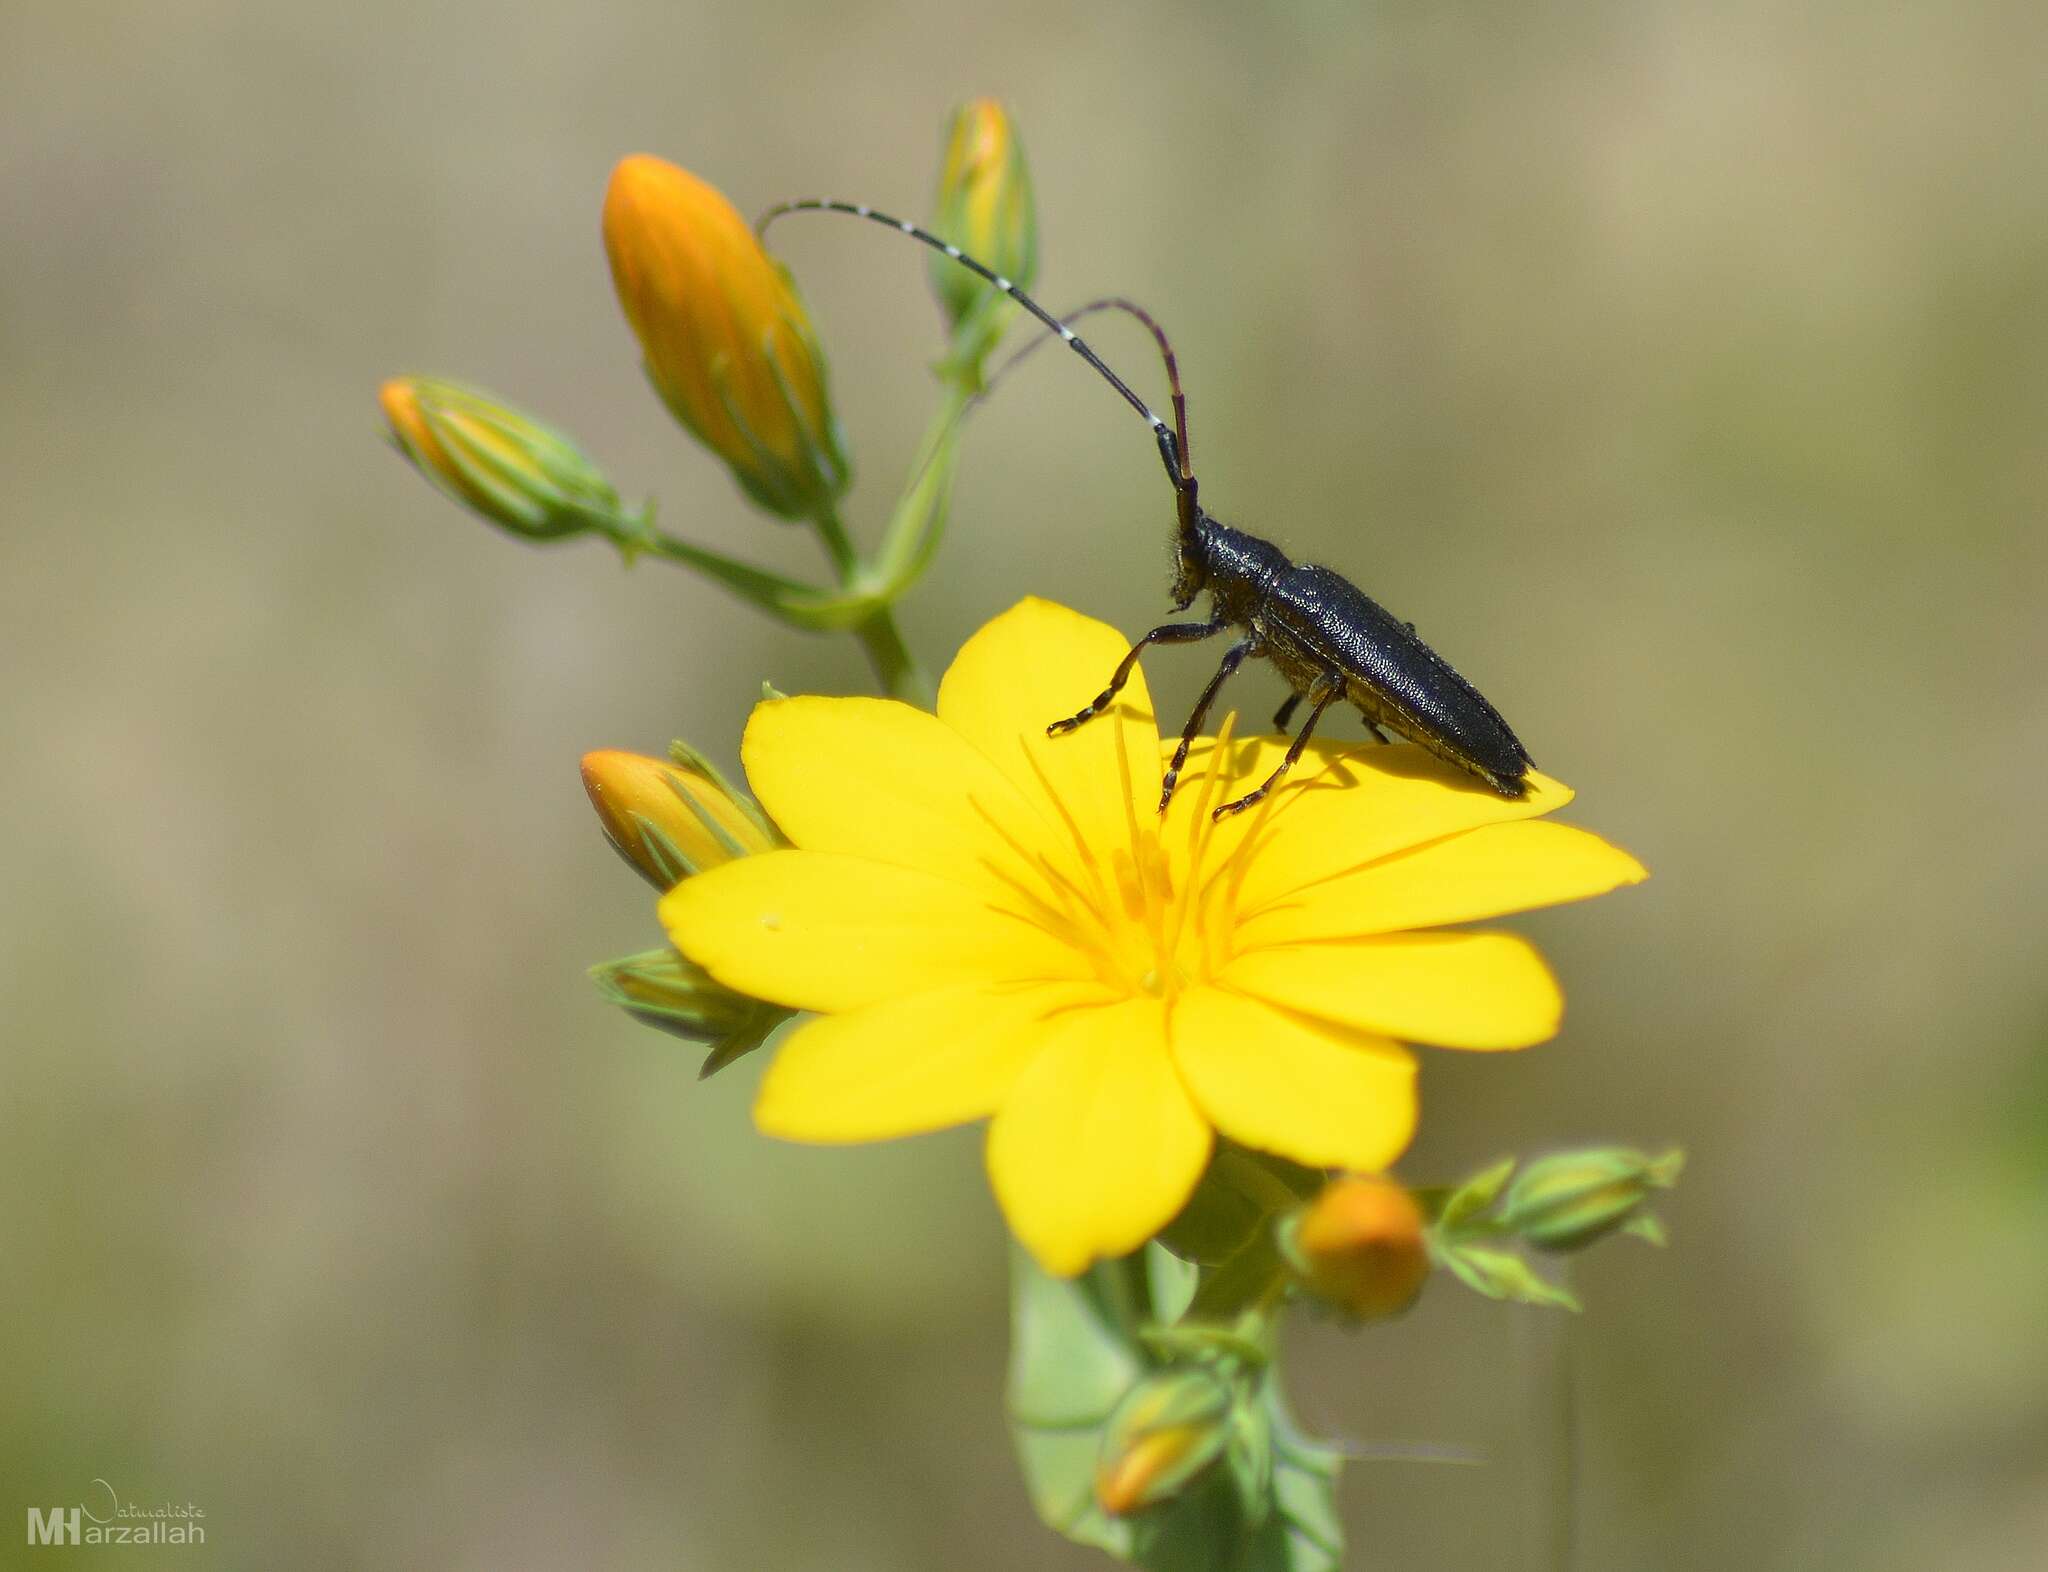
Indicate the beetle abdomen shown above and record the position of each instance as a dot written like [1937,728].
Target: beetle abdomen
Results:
[1396,679]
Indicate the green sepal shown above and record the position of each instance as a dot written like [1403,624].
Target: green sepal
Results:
[1501,1274]
[691,759]
[1474,1196]
[659,988]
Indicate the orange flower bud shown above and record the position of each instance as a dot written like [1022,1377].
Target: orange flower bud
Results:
[1165,1433]
[669,819]
[507,466]
[984,207]
[1359,1245]
[727,343]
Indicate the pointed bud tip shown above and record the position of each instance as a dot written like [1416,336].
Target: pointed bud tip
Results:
[670,820]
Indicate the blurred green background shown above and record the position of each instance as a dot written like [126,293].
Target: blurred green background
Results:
[1681,369]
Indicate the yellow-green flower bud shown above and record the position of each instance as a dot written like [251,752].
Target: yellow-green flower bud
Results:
[664,990]
[1360,1246]
[512,469]
[671,818]
[1567,1201]
[728,345]
[1166,1432]
[984,207]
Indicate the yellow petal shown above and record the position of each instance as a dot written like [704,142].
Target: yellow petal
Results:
[1097,1146]
[1281,1082]
[874,778]
[908,1065]
[817,931]
[1486,873]
[1343,805]
[1038,663]
[1456,990]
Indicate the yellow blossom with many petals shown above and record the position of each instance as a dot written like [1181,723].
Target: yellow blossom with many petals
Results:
[992,923]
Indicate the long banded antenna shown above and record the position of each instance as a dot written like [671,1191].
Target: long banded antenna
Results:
[1131,308]
[1169,447]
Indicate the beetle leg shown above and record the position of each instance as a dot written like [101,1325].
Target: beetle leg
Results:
[1171,633]
[1327,692]
[1372,730]
[1285,713]
[1232,659]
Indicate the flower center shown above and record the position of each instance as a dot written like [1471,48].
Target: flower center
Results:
[1155,923]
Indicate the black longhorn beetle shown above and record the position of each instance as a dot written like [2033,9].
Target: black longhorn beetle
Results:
[1328,639]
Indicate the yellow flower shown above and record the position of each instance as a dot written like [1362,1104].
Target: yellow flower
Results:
[667,819]
[995,923]
[727,342]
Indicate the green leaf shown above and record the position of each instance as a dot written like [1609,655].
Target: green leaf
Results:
[1240,1191]
[1501,1274]
[1172,1282]
[1073,1354]
[1202,1531]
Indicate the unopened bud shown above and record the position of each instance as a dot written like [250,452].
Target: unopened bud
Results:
[1569,1200]
[659,988]
[1360,1246]
[728,344]
[1166,1432]
[984,207]
[512,469]
[671,819]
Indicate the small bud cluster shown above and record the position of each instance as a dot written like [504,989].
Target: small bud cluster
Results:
[670,819]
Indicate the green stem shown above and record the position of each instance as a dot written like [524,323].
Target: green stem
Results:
[900,675]
[913,532]
[838,545]
[758,584]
